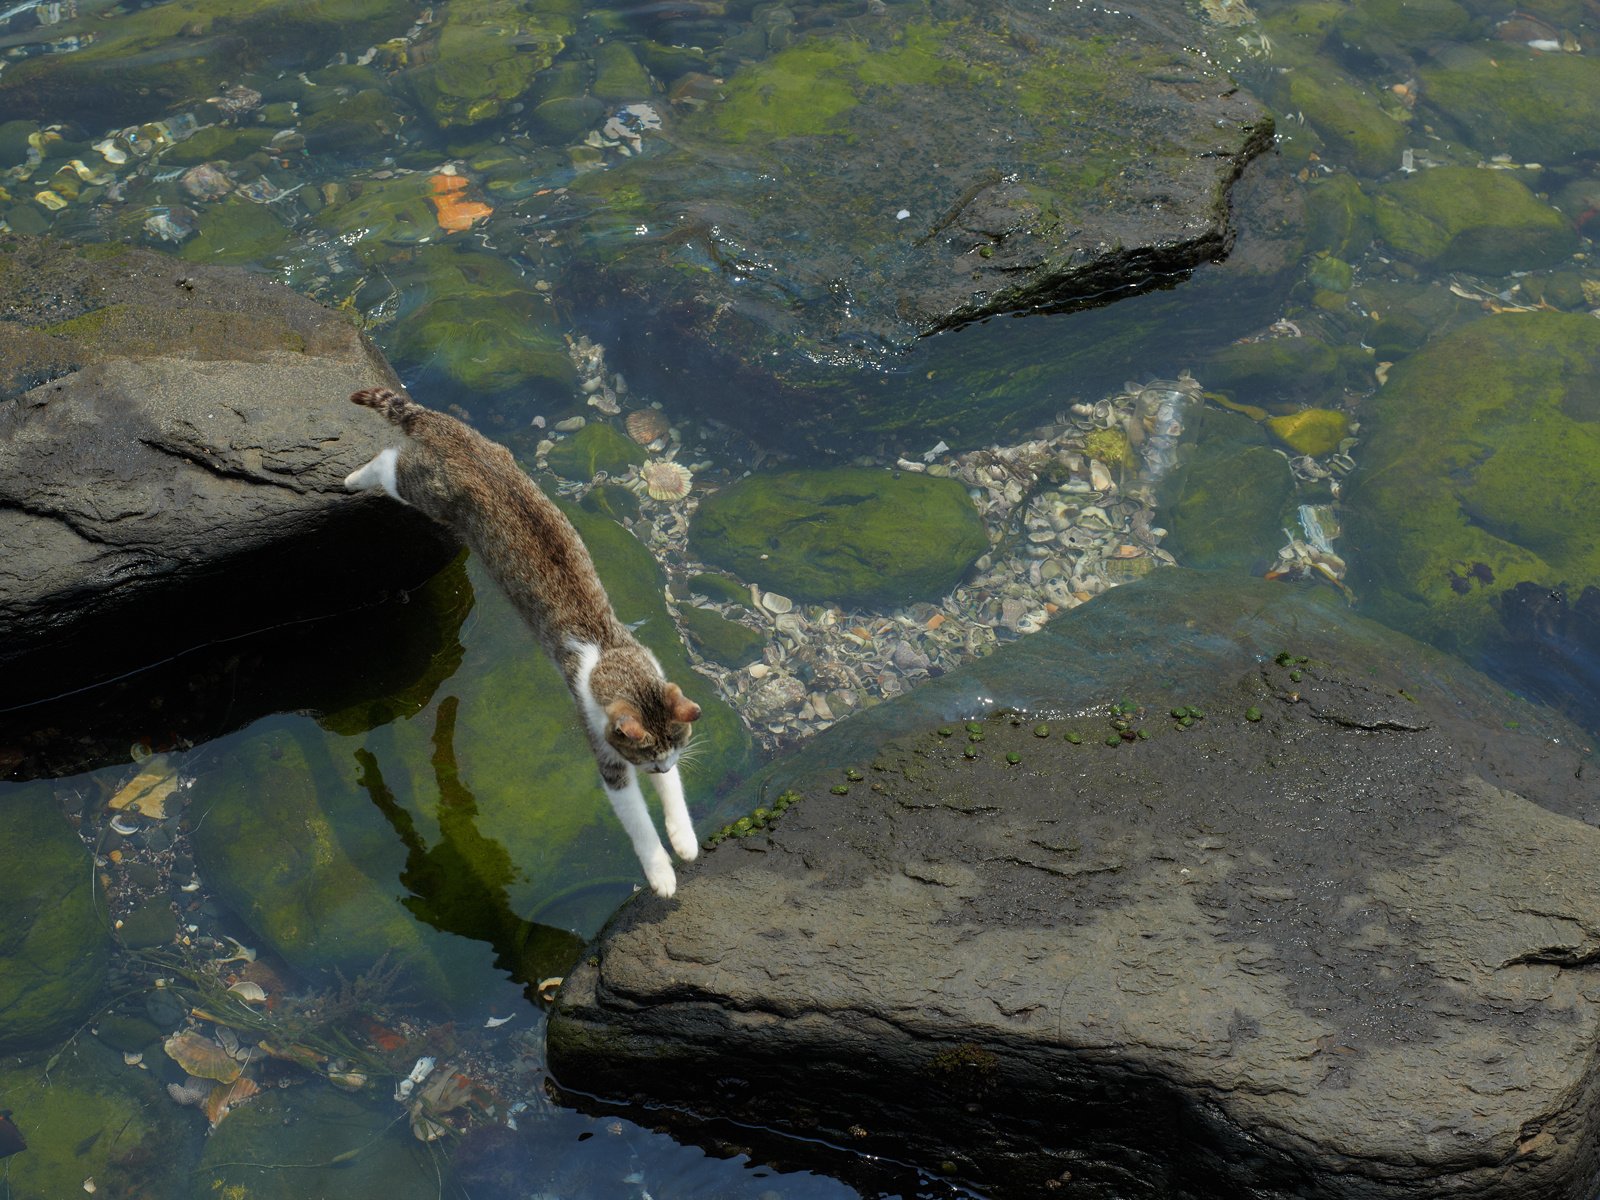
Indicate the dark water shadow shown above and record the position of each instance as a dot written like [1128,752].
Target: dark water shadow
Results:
[459,885]
[352,671]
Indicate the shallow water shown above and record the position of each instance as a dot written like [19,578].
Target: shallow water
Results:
[339,809]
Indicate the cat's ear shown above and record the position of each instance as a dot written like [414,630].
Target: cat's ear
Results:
[680,706]
[625,720]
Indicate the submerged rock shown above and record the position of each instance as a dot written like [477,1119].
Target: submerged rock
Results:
[53,941]
[1465,219]
[871,183]
[1481,473]
[485,56]
[173,443]
[1333,931]
[1507,99]
[848,535]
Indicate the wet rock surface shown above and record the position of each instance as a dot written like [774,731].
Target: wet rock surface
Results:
[173,440]
[1332,937]
[926,166]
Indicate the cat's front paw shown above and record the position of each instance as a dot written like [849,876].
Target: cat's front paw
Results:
[684,843]
[663,880]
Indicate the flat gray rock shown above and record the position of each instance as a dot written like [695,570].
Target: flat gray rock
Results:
[1344,950]
[173,441]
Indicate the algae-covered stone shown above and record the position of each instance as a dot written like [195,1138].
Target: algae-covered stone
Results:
[1482,471]
[365,123]
[239,232]
[595,448]
[1338,216]
[1356,129]
[722,640]
[294,848]
[382,213]
[617,73]
[473,317]
[1328,273]
[1509,99]
[1313,431]
[1021,142]
[486,56]
[1276,371]
[1231,514]
[90,1117]
[1417,24]
[315,1141]
[217,143]
[724,589]
[611,500]
[142,63]
[1462,218]
[850,535]
[53,940]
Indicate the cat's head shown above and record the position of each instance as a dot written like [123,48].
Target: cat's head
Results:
[650,727]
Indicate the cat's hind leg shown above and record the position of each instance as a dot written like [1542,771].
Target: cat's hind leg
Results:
[379,473]
[627,801]
[680,829]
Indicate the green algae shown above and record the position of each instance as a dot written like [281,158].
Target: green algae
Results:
[53,941]
[595,448]
[848,535]
[721,640]
[1484,452]
[486,56]
[1356,130]
[475,318]
[1313,431]
[618,74]
[1461,218]
[1234,500]
[1509,99]
[315,1141]
[238,232]
[90,1117]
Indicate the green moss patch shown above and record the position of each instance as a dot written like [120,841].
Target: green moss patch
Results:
[1486,450]
[850,535]
[1462,218]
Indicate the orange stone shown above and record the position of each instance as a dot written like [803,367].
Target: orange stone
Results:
[449,201]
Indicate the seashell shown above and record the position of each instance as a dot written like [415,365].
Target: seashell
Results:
[147,792]
[202,1057]
[191,1091]
[51,200]
[225,1097]
[645,425]
[124,825]
[132,1058]
[249,992]
[549,987]
[775,603]
[349,1081]
[665,480]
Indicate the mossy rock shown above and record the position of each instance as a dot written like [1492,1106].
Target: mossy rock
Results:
[850,535]
[618,74]
[147,62]
[288,1145]
[722,640]
[485,57]
[293,847]
[724,589]
[474,318]
[1417,24]
[611,500]
[1275,373]
[1357,131]
[1510,99]
[1463,218]
[237,231]
[1484,448]
[365,123]
[383,213]
[1313,431]
[1327,273]
[217,143]
[152,924]
[594,448]
[1339,218]
[53,941]
[93,1118]
[1231,514]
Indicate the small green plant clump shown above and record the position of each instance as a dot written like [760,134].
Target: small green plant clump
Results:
[761,818]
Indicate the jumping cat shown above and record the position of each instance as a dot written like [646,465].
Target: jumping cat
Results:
[635,719]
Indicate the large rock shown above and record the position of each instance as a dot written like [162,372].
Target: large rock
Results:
[1482,472]
[913,170]
[173,441]
[54,941]
[1331,940]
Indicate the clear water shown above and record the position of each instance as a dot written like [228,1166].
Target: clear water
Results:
[487,855]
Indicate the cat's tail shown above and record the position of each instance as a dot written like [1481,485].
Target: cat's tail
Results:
[387,401]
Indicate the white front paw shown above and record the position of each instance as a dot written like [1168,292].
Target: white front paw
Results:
[683,841]
[663,882]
